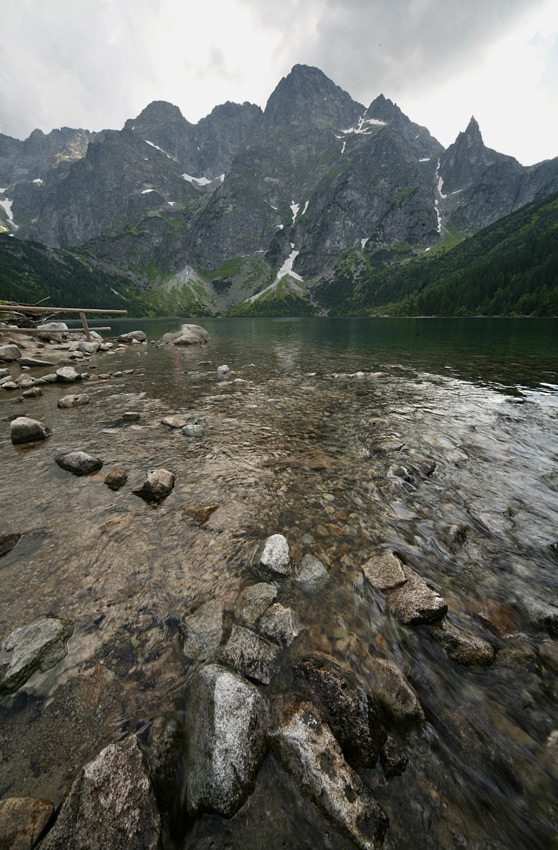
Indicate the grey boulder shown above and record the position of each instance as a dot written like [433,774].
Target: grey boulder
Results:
[251,655]
[26,430]
[311,574]
[156,486]
[202,631]
[274,557]
[253,601]
[37,646]
[73,400]
[9,352]
[67,375]
[139,336]
[78,463]
[187,335]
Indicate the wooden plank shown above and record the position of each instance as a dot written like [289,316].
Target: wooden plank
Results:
[48,330]
[10,308]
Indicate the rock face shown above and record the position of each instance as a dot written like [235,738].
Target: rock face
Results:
[187,335]
[225,726]
[111,804]
[22,819]
[304,745]
[78,463]
[351,714]
[26,430]
[157,486]
[38,646]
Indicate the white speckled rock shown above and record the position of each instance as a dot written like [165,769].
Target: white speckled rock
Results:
[67,375]
[311,574]
[275,555]
[37,646]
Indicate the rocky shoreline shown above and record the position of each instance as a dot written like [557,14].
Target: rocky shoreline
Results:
[257,682]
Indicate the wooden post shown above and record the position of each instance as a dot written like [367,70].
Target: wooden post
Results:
[85,327]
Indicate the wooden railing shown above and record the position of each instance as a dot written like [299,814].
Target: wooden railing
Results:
[24,308]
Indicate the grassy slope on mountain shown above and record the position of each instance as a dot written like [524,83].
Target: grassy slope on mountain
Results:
[30,272]
[509,268]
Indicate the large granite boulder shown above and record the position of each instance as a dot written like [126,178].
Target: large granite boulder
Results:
[110,805]
[22,819]
[202,631]
[23,429]
[138,336]
[187,335]
[225,728]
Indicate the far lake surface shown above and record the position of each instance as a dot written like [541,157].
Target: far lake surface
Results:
[434,439]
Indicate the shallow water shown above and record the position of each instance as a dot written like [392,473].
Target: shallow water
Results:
[443,450]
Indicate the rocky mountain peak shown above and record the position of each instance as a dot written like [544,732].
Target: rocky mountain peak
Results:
[157,111]
[384,109]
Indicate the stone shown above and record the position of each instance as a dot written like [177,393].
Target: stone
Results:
[26,430]
[306,748]
[543,616]
[129,415]
[223,370]
[174,421]
[165,748]
[394,761]
[38,646]
[392,690]
[251,655]
[281,625]
[352,715]
[34,392]
[415,601]
[462,647]
[78,463]
[253,601]
[9,352]
[67,375]
[200,514]
[4,373]
[311,574]
[156,486]
[88,347]
[116,478]
[187,335]
[111,804]
[274,556]
[384,572]
[8,385]
[22,820]
[73,400]
[34,362]
[225,728]
[8,542]
[192,429]
[25,381]
[45,327]
[202,631]
[139,336]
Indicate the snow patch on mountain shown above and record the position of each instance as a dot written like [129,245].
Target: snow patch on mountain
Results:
[286,269]
[202,181]
[153,145]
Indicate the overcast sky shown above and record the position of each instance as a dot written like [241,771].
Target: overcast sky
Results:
[95,63]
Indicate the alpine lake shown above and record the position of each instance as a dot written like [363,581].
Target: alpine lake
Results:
[434,439]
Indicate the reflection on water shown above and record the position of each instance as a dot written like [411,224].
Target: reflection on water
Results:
[443,450]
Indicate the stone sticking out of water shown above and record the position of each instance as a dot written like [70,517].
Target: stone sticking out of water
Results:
[116,478]
[156,486]
[202,631]
[200,514]
[9,352]
[253,601]
[225,726]
[384,572]
[138,336]
[251,655]
[306,748]
[274,555]
[280,624]
[415,601]
[75,400]
[174,421]
[463,647]
[38,646]
[111,804]
[67,375]
[26,430]
[78,463]
[8,542]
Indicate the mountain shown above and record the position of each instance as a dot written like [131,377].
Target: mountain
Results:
[252,210]
[509,268]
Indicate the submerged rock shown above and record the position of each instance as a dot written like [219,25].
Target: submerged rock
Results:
[38,646]
[253,601]
[200,514]
[8,542]
[463,647]
[78,463]
[156,486]
[26,430]
[225,726]
[274,556]
[393,691]
[223,370]
[73,400]
[251,655]
[311,574]
[394,760]
[110,805]
[22,819]
[352,715]
[280,624]
[116,478]
[306,748]
[202,631]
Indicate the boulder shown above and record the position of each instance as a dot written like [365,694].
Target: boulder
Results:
[462,647]
[352,715]
[305,746]
[156,486]
[274,556]
[251,655]
[34,362]
[223,370]
[111,804]
[189,335]
[280,624]
[46,327]
[391,689]
[88,347]
[22,820]
[139,336]
[26,430]
[415,601]
[67,375]
[394,761]
[202,631]
[192,429]
[174,421]
[384,572]
[225,727]
[253,601]
[311,574]
[129,415]
[9,352]
[34,392]
[73,400]
[78,463]
[116,478]
[38,646]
